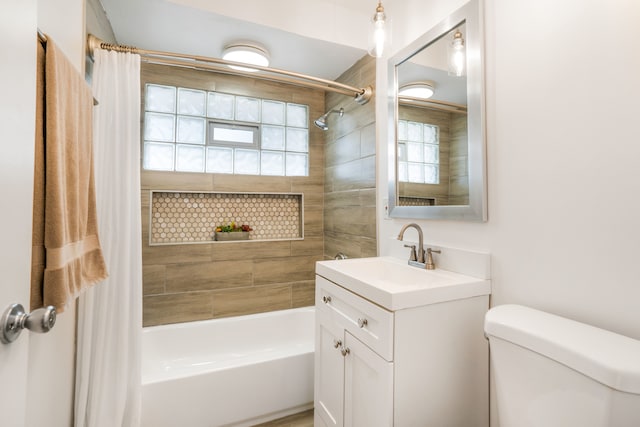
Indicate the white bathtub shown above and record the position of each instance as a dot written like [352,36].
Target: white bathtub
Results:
[237,371]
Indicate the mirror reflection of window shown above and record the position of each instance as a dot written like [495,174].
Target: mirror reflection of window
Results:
[418,152]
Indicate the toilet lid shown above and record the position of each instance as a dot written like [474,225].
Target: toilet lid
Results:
[605,356]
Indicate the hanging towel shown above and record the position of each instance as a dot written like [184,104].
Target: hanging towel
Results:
[67,257]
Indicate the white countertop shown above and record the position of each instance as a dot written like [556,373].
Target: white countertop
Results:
[395,285]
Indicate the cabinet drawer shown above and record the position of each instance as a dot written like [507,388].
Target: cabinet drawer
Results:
[368,322]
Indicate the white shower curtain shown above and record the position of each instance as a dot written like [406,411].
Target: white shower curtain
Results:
[108,376]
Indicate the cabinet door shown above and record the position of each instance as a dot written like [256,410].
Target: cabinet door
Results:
[329,372]
[368,386]
[371,324]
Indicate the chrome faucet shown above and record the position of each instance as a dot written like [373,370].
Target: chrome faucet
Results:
[420,257]
[423,258]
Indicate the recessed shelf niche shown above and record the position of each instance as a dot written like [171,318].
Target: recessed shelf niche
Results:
[182,217]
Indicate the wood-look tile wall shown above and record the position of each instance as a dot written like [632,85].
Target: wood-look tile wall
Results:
[201,281]
[459,161]
[350,174]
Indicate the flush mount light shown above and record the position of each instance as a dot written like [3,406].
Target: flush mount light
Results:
[248,53]
[422,90]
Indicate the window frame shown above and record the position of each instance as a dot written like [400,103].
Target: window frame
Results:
[255,128]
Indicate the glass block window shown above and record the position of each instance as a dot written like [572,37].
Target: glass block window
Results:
[418,152]
[189,130]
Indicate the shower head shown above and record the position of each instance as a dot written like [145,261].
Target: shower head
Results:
[321,121]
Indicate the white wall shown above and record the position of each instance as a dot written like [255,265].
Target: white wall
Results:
[97,22]
[563,142]
[51,368]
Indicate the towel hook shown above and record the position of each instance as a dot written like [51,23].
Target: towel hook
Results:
[14,320]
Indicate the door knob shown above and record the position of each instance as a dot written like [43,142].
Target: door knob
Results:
[14,320]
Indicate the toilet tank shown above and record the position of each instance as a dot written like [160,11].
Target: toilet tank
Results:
[550,371]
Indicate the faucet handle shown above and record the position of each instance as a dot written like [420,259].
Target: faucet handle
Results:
[429,264]
[412,256]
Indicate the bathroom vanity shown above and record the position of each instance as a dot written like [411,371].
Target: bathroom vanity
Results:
[399,346]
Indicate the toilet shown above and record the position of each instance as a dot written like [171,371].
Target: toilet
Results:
[550,371]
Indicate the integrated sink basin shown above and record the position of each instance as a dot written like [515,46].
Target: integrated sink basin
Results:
[395,285]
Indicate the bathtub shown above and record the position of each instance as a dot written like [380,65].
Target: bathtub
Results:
[237,371]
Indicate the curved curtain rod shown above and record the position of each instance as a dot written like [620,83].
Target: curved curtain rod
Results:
[433,104]
[360,95]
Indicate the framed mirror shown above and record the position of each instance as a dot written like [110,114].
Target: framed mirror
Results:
[437,155]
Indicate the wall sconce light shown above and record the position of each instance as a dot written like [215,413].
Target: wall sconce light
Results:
[422,90]
[246,52]
[379,33]
[456,52]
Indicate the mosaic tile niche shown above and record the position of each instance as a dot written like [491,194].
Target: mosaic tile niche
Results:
[192,217]
[417,201]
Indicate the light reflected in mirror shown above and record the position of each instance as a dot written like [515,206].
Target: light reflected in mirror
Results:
[436,144]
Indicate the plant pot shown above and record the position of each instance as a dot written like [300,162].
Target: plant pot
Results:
[231,236]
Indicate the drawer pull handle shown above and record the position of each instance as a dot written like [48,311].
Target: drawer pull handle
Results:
[345,351]
[337,343]
[362,322]
[326,299]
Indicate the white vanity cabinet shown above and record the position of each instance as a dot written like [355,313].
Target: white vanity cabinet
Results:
[353,383]
[413,366]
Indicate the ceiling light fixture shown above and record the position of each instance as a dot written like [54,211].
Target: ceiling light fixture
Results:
[457,55]
[379,33]
[248,53]
[422,90]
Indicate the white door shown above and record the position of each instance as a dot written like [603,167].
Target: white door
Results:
[368,386]
[329,372]
[18,26]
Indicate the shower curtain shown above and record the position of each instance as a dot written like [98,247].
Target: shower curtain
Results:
[108,375]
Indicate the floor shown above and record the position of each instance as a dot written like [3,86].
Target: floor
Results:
[303,419]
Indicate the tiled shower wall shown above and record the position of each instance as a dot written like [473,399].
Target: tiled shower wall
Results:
[459,161]
[350,175]
[192,282]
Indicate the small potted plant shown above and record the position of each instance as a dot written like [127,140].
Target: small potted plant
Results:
[232,231]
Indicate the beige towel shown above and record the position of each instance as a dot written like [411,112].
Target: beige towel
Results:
[65,232]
